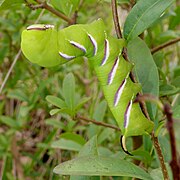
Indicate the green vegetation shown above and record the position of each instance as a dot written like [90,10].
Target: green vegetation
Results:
[55,122]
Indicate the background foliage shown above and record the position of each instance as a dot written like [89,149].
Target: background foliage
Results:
[32,141]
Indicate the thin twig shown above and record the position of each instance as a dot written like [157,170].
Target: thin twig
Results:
[54,11]
[175,166]
[160,156]
[97,122]
[10,70]
[125,55]
[160,47]
[15,59]
[149,98]
[115,18]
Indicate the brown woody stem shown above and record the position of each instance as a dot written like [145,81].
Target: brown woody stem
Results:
[175,165]
[115,18]
[44,5]
[160,47]
[160,156]
[97,122]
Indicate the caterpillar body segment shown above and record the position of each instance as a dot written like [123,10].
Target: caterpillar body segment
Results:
[48,47]
[35,47]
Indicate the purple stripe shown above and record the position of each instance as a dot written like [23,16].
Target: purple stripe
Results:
[94,45]
[36,28]
[111,72]
[45,27]
[126,114]
[81,48]
[105,52]
[118,91]
[67,57]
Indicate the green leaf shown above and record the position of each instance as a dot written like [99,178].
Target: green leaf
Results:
[56,101]
[105,134]
[168,90]
[176,82]
[176,72]
[159,127]
[54,111]
[145,70]
[101,166]
[74,137]
[90,148]
[101,107]
[166,36]
[69,141]
[142,155]
[84,178]
[18,94]
[42,85]
[143,14]
[105,151]
[64,110]
[65,6]
[10,122]
[66,145]
[156,174]
[55,123]
[176,112]
[158,59]
[69,91]
[82,102]
[9,4]
[174,20]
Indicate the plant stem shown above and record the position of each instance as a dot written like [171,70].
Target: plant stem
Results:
[115,18]
[151,98]
[97,122]
[160,156]
[175,166]
[137,141]
[160,47]
[16,58]
[10,70]
[54,11]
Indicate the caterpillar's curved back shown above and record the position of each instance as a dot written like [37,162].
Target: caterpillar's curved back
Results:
[44,45]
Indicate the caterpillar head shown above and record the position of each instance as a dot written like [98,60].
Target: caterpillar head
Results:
[39,45]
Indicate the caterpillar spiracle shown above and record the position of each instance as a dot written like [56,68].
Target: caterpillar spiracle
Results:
[46,46]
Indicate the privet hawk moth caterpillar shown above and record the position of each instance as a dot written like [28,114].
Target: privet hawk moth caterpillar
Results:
[45,46]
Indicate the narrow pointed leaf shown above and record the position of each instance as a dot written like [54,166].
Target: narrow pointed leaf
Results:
[9,4]
[143,14]
[145,70]
[69,90]
[56,101]
[90,148]
[101,166]
[82,102]
[66,145]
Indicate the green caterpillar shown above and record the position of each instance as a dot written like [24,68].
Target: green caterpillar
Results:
[45,46]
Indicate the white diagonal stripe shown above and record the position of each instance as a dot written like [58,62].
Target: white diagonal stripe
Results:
[94,44]
[113,71]
[128,114]
[119,93]
[65,56]
[106,53]
[76,44]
